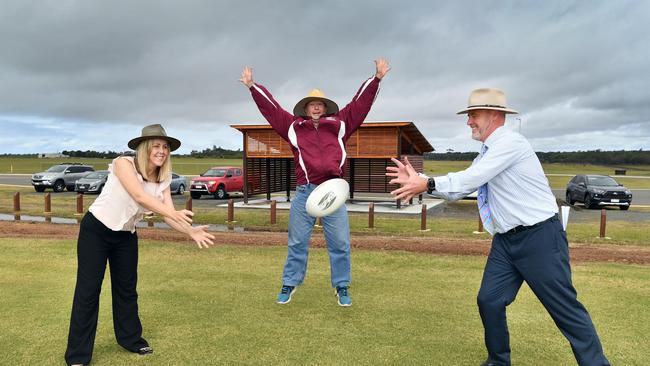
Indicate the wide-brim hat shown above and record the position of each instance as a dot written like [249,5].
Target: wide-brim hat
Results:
[154,132]
[487,98]
[315,94]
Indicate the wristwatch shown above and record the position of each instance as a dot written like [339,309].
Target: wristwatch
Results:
[431,185]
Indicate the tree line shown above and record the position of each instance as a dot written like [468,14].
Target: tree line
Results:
[620,157]
[213,152]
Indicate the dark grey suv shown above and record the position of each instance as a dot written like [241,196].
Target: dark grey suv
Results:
[60,176]
[597,191]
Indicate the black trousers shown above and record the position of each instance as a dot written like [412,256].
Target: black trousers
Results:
[96,245]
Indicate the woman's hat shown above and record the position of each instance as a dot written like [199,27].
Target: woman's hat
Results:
[487,98]
[154,132]
[315,94]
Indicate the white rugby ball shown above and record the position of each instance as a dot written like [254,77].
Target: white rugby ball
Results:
[328,197]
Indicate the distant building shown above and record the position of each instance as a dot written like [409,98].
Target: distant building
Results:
[52,155]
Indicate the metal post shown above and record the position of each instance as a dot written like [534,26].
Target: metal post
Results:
[603,222]
[231,210]
[17,206]
[80,204]
[273,212]
[371,215]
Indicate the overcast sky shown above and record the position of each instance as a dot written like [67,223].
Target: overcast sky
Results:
[78,75]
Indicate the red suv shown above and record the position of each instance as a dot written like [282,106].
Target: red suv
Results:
[218,181]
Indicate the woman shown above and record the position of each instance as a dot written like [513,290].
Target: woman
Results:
[135,185]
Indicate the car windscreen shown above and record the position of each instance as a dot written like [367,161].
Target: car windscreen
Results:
[215,173]
[56,169]
[96,175]
[602,181]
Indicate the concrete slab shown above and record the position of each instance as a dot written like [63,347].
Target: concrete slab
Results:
[358,204]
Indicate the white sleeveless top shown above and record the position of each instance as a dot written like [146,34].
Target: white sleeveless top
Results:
[116,209]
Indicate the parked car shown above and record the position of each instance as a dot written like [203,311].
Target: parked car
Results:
[60,176]
[218,182]
[178,184]
[597,191]
[92,182]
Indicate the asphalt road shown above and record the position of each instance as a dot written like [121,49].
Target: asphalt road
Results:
[640,196]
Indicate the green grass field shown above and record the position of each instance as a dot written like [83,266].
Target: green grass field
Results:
[216,307]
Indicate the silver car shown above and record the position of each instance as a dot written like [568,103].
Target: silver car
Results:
[178,185]
[60,176]
[92,182]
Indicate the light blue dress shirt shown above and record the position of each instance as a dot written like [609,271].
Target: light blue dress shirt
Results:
[518,190]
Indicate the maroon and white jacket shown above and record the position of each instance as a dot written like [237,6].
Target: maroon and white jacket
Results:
[318,154]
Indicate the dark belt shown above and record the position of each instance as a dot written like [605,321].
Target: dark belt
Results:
[521,228]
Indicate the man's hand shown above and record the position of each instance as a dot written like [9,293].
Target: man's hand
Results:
[247,77]
[409,180]
[382,67]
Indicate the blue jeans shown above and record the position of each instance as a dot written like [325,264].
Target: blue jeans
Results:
[337,235]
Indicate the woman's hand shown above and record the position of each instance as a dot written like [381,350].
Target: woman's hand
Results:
[202,238]
[182,217]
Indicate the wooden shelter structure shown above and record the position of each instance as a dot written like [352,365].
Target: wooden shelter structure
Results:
[268,159]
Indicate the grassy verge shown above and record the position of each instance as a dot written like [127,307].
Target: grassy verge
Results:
[216,307]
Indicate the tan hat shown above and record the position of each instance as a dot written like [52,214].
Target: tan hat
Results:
[315,94]
[487,98]
[154,132]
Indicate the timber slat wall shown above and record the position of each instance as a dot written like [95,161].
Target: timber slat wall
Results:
[268,161]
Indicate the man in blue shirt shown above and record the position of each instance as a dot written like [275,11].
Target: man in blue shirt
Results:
[517,207]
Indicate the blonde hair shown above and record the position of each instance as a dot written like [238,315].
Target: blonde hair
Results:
[142,162]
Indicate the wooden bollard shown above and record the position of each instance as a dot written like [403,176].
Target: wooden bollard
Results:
[48,204]
[188,204]
[48,207]
[231,210]
[17,206]
[480,224]
[80,204]
[423,218]
[371,215]
[273,212]
[603,222]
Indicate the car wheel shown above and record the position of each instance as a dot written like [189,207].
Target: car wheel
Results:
[181,189]
[624,208]
[588,201]
[220,193]
[70,188]
[39,189]
[195,195]
[100,189]
[59,186]
[569,200]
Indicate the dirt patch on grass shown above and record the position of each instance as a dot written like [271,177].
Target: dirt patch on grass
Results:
[479,247]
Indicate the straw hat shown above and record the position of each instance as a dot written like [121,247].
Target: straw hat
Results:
[487,98]
[154,132]
[315,94]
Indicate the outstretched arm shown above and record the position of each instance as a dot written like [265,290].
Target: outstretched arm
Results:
[125,171]
[199,234]
[277,117]
[356,111]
